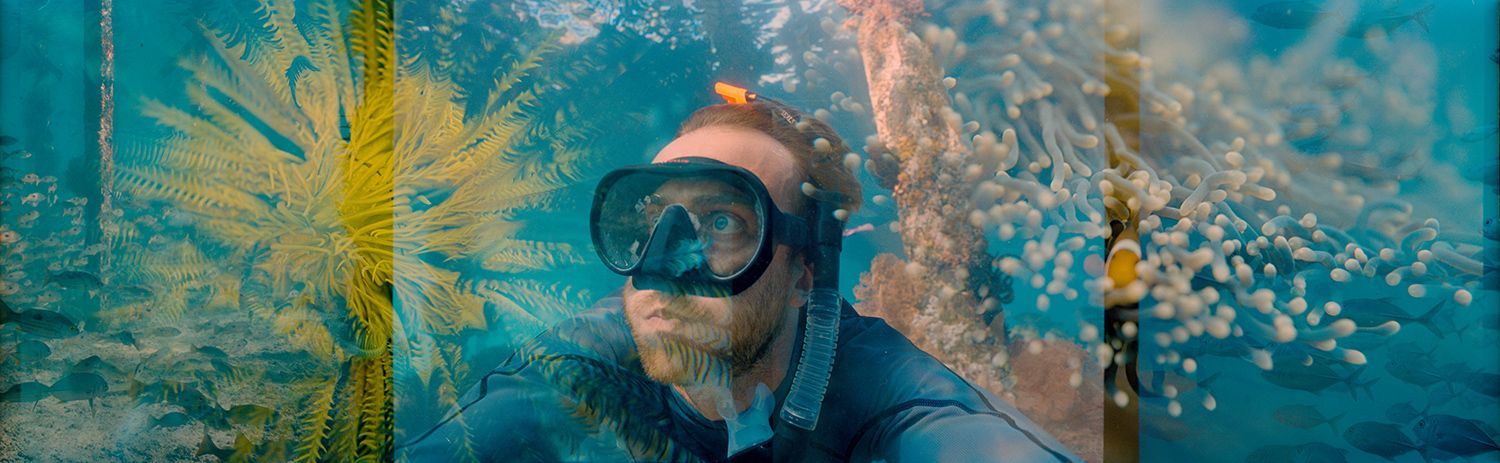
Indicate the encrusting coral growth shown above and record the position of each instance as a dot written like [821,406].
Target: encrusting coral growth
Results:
[1250,219]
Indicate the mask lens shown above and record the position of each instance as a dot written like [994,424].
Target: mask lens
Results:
[627,214]
[722,222]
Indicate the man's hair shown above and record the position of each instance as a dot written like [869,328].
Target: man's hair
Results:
[823,169]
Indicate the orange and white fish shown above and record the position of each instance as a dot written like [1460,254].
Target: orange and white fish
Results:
[1119,265]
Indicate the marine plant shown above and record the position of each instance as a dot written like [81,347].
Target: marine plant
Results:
[368,214]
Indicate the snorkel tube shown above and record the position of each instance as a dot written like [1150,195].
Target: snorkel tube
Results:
[821,331]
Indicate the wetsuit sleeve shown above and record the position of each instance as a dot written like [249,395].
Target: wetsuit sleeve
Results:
[500,415]
[954,433]
[514,415]
[510,417]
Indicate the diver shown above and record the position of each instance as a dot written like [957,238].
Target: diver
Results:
[729,341]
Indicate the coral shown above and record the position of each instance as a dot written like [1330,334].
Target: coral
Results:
[886,291]
[1066,124]
[1251,220]
[939,178]
[1041,366]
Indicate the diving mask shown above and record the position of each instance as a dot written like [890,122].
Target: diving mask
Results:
[691,225]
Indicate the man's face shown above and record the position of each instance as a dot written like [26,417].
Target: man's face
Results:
[685,339]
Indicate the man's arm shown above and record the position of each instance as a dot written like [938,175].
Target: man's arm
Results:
[515,414]
[498,415]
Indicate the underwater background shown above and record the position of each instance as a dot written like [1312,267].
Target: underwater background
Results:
[298,230]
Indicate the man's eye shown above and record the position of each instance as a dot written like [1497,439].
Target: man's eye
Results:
[720,222]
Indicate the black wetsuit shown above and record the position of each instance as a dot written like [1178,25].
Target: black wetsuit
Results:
[886,400]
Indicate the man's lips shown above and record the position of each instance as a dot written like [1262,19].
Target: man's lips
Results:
[655,322]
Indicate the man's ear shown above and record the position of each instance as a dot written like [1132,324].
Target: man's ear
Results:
[801,281]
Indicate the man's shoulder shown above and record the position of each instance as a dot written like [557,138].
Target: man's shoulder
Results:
[890,393]
[880,356]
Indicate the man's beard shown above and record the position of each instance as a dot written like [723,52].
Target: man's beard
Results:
[700,350]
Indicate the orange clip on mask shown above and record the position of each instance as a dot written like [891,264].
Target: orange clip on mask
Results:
[733,94]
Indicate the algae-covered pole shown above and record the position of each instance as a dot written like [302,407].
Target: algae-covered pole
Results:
[99,109]
[106,133]
[948,259]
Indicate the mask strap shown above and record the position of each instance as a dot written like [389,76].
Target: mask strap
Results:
[790,230]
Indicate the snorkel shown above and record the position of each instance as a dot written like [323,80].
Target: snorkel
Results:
[821,331]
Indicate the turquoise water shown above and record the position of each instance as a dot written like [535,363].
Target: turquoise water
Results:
[1443,374]
[1405,121]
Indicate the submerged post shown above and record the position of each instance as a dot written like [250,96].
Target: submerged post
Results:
[950,255]
[106,134]
[950,283]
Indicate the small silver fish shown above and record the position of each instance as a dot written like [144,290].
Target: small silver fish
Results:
[211,351]
[1388,21]
[1459,436]
[74,279]
[1487,384]
[249,414]
[31,350]
[44,323]
[242,448]
[1305,15]
[124,337]
[1314,378]
[1367,312]
[1403,412]
[1384,440]
[170,420]
[1417,370]
[1290,15]
[95,364]
[30,391]
[134,293]
[80,386]
[1305,417]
